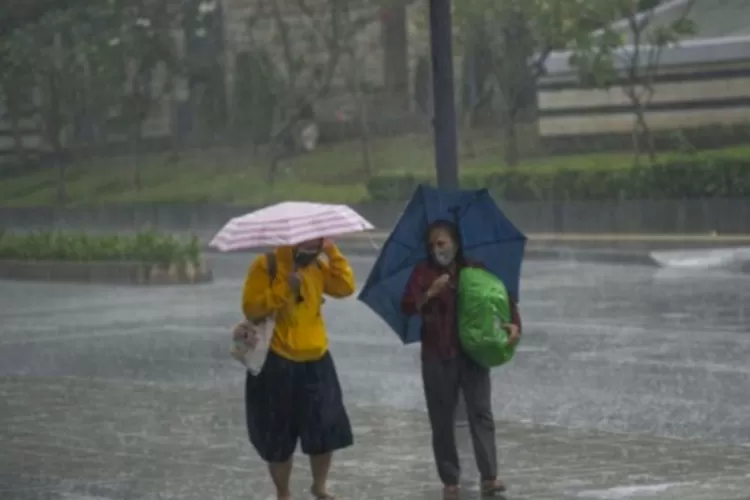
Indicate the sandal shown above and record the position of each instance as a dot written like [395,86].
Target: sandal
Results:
[493,488]
[323,496]
[450,493]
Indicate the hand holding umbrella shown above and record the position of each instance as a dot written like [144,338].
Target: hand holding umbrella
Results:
[514,334]
[436,287]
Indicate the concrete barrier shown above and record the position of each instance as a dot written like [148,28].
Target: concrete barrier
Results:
[723,216]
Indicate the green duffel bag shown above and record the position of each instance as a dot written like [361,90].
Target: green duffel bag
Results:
[483,309]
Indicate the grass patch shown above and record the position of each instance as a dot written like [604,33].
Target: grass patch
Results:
[233,175]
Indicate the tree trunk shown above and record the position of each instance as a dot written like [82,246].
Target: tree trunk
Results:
[647,136]
[636,135]
[55,120]
[139,106]
[135,152]
[14,117]
[395,42]
[364,134]
[467,140]
[54,126]
[512,154]
[275,156]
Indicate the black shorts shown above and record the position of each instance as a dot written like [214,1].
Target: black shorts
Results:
[293,401]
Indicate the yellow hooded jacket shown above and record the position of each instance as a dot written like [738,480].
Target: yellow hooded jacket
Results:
[300,333]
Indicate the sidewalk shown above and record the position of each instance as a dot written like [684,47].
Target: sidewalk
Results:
[633,249]
[176,442]
[602,248]
[610,239]
[629,248]
[628,241]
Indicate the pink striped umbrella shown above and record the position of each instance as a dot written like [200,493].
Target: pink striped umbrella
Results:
[288,223]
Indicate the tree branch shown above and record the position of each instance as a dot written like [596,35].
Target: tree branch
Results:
[536,69]
[286,43]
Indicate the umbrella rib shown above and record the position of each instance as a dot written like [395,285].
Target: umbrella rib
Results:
[469,204]
[403,265]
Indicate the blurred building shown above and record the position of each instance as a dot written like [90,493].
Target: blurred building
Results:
[701,82]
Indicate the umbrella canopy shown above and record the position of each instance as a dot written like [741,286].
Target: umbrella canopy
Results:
[287,224]
[487,236]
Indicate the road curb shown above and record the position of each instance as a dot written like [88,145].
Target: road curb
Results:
[643,258]
[557,253]
[595,256]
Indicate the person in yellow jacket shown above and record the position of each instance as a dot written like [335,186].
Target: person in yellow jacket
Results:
[297,395]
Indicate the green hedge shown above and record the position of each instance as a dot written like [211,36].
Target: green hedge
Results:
[146,247]
[704,175]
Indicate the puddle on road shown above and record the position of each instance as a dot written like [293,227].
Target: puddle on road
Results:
[630,492]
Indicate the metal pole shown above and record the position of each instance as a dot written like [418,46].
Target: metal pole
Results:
[443,94]
[444,114]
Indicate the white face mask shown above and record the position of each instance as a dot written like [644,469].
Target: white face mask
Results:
[444,256]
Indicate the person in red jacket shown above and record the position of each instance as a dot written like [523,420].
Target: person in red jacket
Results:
[431,294]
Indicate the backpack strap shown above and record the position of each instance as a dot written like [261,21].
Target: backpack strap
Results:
[271,264]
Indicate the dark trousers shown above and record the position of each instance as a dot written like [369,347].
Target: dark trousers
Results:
[442,381]
[290,402]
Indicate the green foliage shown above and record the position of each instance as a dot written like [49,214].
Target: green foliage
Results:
[309,42]
[90,59]
[139,38]
[19,13]
[510,41]
[147,247]
[542,24]
[15,67]
[704,175]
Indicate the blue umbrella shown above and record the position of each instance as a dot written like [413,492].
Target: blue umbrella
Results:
[486,234]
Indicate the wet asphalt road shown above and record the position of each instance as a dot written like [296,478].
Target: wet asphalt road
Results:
[616,348]
[625,349]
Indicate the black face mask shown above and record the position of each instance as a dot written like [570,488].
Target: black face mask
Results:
[303,258]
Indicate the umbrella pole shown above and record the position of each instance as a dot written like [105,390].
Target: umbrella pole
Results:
[443,94]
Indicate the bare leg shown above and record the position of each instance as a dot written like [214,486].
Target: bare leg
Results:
[281,473]
[320,465]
